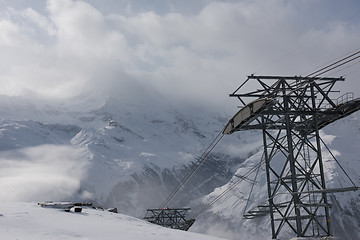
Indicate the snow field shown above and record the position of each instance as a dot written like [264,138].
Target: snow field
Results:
[28,221]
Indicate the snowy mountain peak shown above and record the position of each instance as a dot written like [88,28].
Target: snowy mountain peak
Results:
[131,156]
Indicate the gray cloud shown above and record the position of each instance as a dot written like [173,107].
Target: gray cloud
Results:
[199,55]
[45,172]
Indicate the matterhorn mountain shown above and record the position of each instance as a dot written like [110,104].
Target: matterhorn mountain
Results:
[118,152]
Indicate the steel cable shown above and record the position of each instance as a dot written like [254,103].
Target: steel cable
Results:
[319,72]
[196,166]
[219,137]
[217,198]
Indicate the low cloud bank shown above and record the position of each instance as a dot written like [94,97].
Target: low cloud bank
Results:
[41,173]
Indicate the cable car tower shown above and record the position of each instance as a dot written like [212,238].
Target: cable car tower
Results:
[290,111]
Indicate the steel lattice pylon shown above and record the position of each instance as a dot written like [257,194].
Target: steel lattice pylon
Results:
[290,111]
[170,217]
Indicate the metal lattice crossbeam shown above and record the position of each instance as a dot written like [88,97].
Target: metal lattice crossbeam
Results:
[290,111]
[170,217]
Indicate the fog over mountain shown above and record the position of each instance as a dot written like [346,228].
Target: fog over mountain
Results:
[129,156]
[112,103]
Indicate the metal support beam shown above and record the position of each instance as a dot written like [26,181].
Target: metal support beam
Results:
[290,112]
[170,217]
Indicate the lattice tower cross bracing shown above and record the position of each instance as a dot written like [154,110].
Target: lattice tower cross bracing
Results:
[290,111]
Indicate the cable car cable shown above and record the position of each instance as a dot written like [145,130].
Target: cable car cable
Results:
[217,198]
[196,166]
[324,70]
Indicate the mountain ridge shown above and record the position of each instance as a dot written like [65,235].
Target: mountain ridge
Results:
[131,156]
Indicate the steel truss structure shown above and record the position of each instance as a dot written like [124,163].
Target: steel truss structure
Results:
[170,217]
[290,111]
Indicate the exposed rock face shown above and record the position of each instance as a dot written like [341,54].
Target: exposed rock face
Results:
[132,157]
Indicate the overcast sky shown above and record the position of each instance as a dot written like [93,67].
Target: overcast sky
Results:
[182,50]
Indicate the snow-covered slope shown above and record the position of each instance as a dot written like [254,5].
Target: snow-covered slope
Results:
[131,155]
[26,220]
[225,218]
[128,156]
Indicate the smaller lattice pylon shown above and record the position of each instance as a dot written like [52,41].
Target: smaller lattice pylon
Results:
[170,217]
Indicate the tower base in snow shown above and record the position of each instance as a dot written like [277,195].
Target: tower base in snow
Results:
[170,217]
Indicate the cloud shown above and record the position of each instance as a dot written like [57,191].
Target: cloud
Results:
[41,173]
[206,56]
[41,21]
[192,57]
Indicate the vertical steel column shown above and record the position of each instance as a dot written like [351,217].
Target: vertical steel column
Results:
[267,164]
[292,161]
[319,156]
[294,111]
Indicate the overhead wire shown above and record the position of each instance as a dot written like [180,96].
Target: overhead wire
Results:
[217,198]
[332,64]
[325,69]
[226,191]
[331,61]
[317,73]
[339,65]
[219,137]
[347,67]
[195,167]
[347,175]
[252,186]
